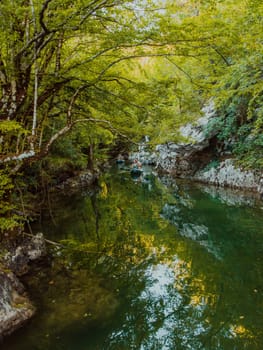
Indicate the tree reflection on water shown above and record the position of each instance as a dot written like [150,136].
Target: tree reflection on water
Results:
[143,267]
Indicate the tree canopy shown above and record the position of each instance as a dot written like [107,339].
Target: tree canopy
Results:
[80,76]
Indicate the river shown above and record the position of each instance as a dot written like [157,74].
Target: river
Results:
[149,264]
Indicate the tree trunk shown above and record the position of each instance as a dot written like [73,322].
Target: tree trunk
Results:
[90,155]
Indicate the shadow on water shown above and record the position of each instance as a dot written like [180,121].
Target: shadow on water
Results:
[149,264]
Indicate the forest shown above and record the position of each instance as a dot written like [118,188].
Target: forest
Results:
[163,260]
[84,80]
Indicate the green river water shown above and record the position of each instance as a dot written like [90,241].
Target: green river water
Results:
[149,264]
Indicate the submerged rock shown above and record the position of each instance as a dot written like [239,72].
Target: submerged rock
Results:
[72,298]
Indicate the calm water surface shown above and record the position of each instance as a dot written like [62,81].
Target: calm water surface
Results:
[149,264]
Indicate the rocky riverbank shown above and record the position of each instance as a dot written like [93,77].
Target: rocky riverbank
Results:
[15,305]
[19,254]
[226,173]
[202,157]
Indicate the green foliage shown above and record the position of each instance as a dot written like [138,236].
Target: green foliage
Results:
[238,90]
[8,220]
[250,150]
[239,101]
[213,164]
[77,77]
[99,72]
[10,126]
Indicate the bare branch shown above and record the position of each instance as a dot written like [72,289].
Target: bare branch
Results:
[34,121]
[17,157]
[107,124]
[89,13]
[72,101]
[58,134]
[41,15]
[36,155]
[102,122]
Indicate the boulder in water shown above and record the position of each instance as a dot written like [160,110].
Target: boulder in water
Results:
[15,307]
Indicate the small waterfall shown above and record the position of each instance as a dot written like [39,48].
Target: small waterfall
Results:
[144,154]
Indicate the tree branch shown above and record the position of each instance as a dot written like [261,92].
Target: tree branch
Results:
[113,63]
[41,16]
[220,54]
[17,157]
[119,97]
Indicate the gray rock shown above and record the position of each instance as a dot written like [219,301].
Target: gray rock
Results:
[144,157]
[31,249]
[227,174]
[182,159]
[15,307]
[82,180]
[190,158]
